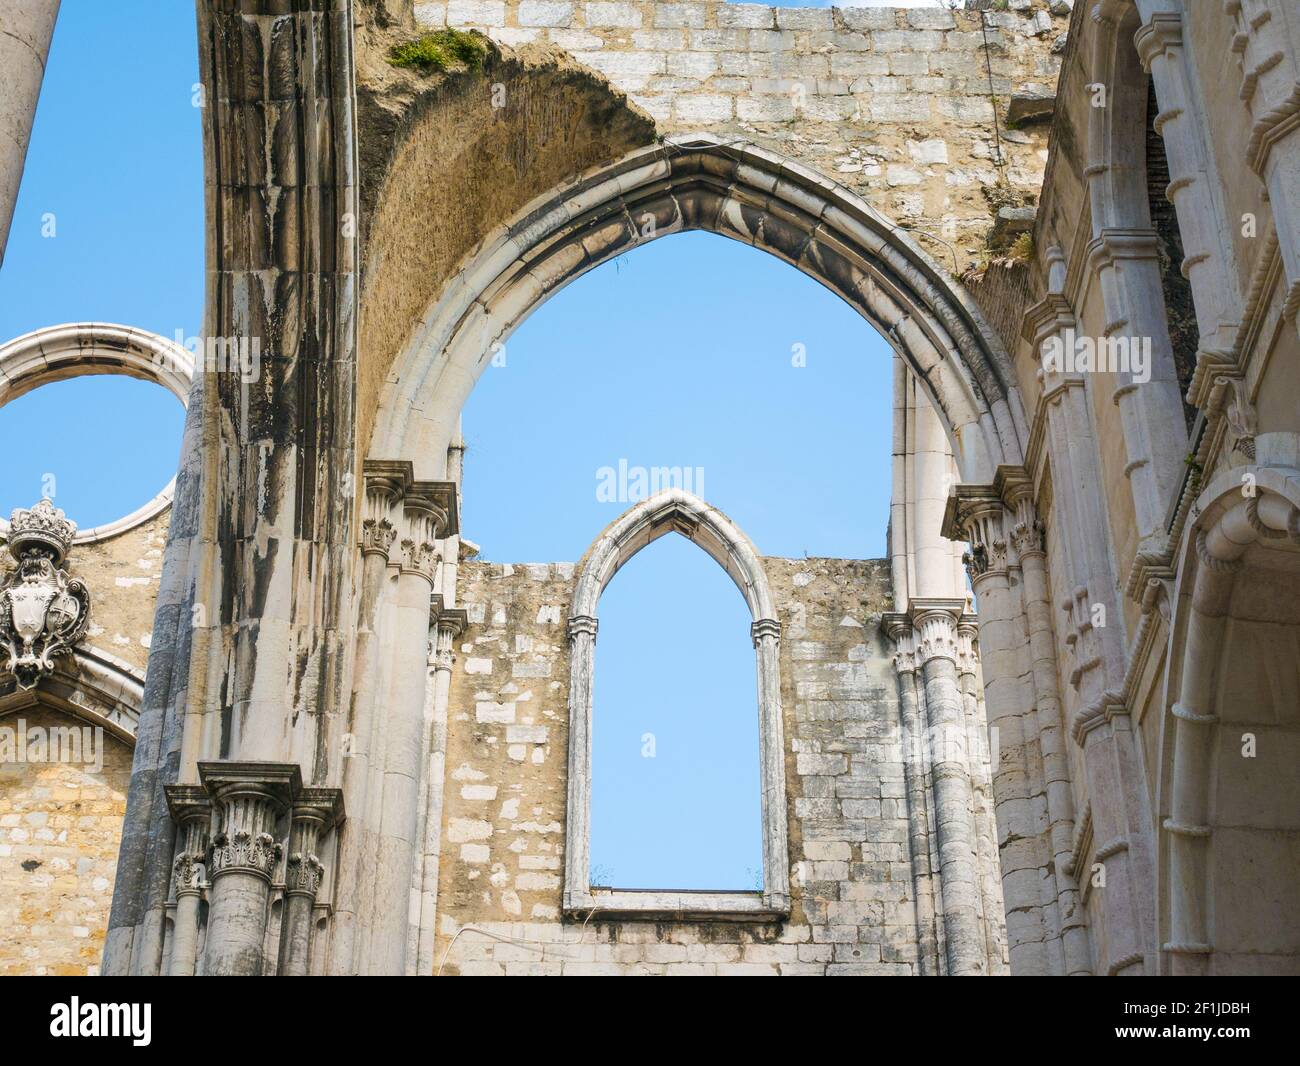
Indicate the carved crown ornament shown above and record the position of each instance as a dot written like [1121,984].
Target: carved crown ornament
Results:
[44,611]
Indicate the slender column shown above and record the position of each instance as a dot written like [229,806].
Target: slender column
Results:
[1072,955]
[1181,123]
[577,868]
[425,521]
[1267,43]
[26,27]
[315,812]
[250,798]
[766,635]
[448,626]
[986,851]
[1151,411]
[936,625]
[191,809]
[384,484]
[912,741]
[977,514]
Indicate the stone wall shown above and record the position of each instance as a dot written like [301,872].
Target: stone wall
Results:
[892,103]
[60,824]
[853,879]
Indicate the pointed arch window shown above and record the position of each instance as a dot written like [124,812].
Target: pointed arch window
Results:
[680,512]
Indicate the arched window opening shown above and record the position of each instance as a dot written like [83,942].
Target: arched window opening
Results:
[675,795]
[1184,334]
[97,446]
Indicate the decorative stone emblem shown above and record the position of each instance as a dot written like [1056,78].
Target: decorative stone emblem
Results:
[43,611]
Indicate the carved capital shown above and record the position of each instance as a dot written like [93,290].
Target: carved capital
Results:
[764,628]
[250,798]
[582,625]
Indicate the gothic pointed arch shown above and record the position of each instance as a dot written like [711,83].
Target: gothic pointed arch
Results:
[675,511]
[738,190]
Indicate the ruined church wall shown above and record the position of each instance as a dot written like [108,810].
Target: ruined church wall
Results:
[60,824]
[892,103]
[501,876]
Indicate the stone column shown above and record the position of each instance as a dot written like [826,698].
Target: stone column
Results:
[448,625]
[191,809]
[1267,43]
[384,483]
[976,513]
[1205,229]
[251,798]
[935,622]
[26,27]
[915,768]
[425,519]
[315,812]
[582,649]
[1072,954]
[766,635]
[1151,412]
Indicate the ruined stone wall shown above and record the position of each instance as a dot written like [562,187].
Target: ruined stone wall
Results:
[893,103]
[852,875]
[60,824]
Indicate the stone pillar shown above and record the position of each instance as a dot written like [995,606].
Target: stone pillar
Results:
[582,641]
[935,622]
[26,27]
[425,521]
[315,812]
[384,484]
[1267,43]
[766,635]
[977,514]
[915,769]
[251,798]
[448,625]
[1072,954]
[1208,265]
[1151,412]
[191,809]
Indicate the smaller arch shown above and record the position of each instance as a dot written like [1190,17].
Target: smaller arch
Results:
[78,349]
[1235,537]
[675,511]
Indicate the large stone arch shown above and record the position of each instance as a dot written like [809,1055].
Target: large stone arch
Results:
[738,190]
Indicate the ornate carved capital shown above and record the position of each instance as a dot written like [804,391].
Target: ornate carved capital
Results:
[244,852]
[191,810]
[935,623]
[315,812]
[44,611]
[250,798]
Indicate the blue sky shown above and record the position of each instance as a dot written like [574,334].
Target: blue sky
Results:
[691,352]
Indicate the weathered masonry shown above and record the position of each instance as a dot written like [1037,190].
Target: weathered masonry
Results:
[356,751]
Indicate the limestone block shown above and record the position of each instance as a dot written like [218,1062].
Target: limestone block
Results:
[553,13]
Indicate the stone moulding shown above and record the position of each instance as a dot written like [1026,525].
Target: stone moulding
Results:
[76,349]
[680,512]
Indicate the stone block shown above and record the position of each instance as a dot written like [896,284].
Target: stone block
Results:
[551,13]
[603,13]
[476,13]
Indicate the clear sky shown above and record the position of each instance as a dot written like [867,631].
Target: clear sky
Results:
[693,352]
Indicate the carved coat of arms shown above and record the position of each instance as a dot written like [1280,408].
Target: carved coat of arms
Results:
[43,610]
